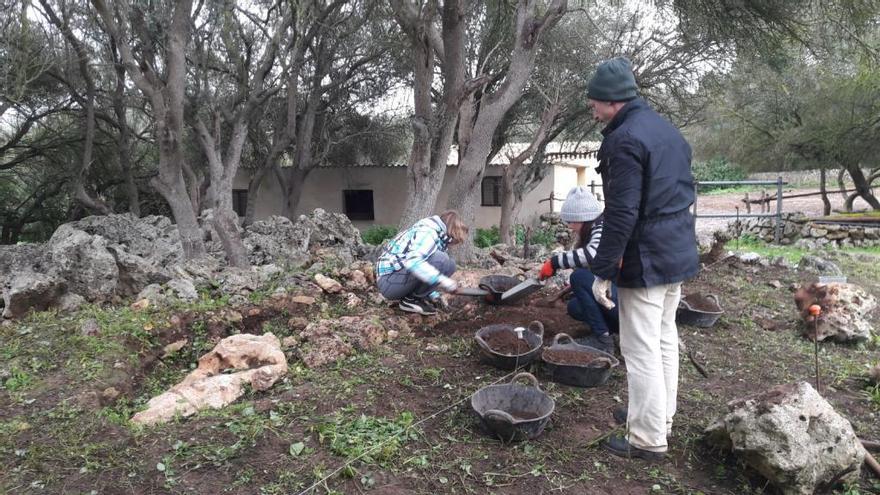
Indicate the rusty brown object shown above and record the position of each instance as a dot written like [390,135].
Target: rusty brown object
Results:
[550,300]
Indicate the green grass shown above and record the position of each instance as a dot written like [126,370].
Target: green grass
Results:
[791,253]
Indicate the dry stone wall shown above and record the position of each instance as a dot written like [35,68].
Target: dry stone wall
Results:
[802,231]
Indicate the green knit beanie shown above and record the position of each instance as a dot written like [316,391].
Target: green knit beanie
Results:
[613,81]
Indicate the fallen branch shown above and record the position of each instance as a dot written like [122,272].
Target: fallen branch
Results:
[873,464]
[697,364]
[870,444]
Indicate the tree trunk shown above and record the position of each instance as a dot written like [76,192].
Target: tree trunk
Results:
[124,147]
[433,129]
[79,176]
[173,189]
[863,189]
[510,206]
[466,187]
[292,180]
[826,209]
[166,96]
[254,185]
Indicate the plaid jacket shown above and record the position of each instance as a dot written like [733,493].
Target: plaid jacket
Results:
[409,250]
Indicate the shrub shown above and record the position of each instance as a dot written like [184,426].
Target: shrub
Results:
[717,169]
[377,234]
[489,237]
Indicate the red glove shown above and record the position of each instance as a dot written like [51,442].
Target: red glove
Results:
[547,270]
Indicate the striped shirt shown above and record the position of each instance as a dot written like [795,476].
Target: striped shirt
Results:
[581,257]
[409,250]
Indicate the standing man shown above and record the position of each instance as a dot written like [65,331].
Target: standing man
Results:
[648,247]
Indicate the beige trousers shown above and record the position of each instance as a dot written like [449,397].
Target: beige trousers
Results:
[649,344]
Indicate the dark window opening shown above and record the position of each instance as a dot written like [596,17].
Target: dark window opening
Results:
[491,191]
[239,201]
[358,204]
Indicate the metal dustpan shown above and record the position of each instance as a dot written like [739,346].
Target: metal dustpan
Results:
[521,290]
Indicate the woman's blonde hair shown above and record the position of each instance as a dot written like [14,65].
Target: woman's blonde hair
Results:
[455,227]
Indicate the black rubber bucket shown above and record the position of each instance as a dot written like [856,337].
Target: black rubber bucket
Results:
[533,335]
[591,374]
[700,311]
[497,285]
[513,412]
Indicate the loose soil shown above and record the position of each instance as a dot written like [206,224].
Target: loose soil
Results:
[507,343]
[571,357]
[283,440]
[700,302]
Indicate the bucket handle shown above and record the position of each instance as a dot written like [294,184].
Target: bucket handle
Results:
[491,294]
[540,328]
[714,298]
[530,377]
[560,336]
[482,343]
[499,415]
[604,361]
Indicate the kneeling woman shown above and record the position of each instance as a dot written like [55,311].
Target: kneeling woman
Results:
[583,215]
[414,263]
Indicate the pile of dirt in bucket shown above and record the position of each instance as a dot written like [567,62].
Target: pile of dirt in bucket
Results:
[507,343]
[699,302]
[572,357]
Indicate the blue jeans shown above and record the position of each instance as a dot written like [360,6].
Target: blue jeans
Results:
[401,283]
[583,306]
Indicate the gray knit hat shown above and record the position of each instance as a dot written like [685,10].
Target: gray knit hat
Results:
[613,81]
[580,206]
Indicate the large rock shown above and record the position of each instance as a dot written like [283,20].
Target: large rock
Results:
[793,437]
[325,229]
[152,237]
[844,311]
[83,260]
[274,240]
[818,265]
[107,255]
[259,357]
[31,291]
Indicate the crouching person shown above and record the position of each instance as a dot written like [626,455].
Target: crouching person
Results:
[414,264]
[583,215]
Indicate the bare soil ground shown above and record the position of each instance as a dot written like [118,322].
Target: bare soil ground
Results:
[727,203]
[60,434]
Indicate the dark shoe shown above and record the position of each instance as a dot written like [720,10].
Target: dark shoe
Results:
[418,306]
[603,342]
[619,414]
[619,446]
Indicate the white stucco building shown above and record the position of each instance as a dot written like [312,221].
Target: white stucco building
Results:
[375,194]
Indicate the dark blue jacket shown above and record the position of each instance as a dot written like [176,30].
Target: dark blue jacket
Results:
[645,164]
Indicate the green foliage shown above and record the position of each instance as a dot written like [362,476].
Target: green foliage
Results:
[716,169]
[377,234]
[489,237]
[378,439]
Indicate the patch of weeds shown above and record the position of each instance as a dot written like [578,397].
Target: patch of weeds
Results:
[433,374]
[18,380]
[873,393]
[378,440]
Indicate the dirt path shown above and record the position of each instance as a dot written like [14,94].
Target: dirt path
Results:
[727,204]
